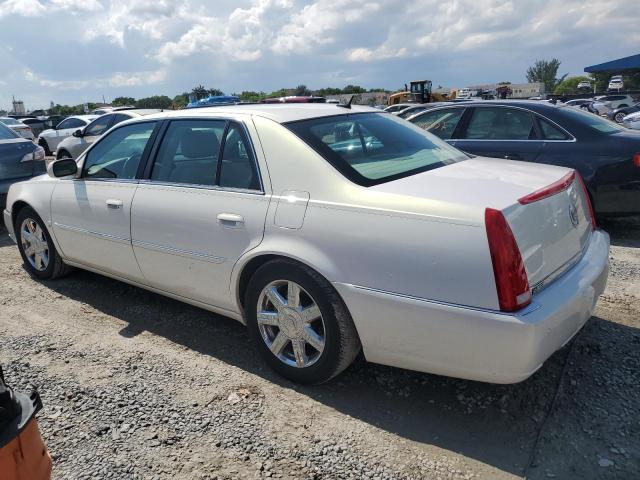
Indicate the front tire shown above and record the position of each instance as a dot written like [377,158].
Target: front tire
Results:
[41,259]
[618,117]
[43,143]
[63,154]
[299,323]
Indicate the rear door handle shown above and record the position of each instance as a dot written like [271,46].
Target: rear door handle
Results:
[512,156]
[230,219]
[114,204]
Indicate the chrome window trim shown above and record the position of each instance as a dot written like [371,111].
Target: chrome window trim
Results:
[162,183]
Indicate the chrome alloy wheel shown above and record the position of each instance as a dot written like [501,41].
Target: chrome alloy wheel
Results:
[290,323]
[34,244]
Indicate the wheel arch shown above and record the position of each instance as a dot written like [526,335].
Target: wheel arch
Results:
[247,266]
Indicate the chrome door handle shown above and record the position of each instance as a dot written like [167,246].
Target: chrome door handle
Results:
[115,204]
[230,219]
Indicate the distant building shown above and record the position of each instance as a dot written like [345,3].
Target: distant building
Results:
[367,98]
[18,107]
[518,90]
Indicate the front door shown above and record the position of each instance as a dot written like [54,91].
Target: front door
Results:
[201,208]
[91,214]
[500,132]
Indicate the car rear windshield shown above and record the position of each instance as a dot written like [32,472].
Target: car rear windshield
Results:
[595,122]
[9,121]
[373,148]
[6,133]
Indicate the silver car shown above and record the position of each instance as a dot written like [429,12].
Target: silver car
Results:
[20,128]
[81,139]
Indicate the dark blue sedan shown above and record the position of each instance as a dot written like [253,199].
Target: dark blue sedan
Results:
[604,153]
[20,159]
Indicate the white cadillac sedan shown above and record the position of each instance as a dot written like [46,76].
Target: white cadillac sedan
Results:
[328,230]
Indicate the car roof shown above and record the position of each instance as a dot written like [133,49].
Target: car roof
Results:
[137,111]
[84,117]
[278,112]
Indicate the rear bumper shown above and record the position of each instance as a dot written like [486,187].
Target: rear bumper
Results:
[478,344]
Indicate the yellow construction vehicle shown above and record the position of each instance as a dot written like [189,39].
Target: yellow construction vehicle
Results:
[419,92]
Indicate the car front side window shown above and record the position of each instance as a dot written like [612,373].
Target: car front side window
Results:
[441,123]
[118,155]
[98,126]
[499,123]
[71,123]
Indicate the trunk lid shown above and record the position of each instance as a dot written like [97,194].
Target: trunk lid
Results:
[550,232]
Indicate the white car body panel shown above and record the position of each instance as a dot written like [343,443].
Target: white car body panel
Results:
[54,137]
[409,257]
[632,121]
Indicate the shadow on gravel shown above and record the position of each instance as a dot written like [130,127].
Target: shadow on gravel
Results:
[624,231]
[495,424]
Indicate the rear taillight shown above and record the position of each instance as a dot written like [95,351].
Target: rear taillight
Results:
[587,199]
[512,284]
[549,190]
[636,160]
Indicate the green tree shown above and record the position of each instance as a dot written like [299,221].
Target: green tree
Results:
[302,90]
[215,92]
[570,85]
[250,96]
[123,101]
[180,101]
[199,92]
[545,71]
[157,101]
[353,89]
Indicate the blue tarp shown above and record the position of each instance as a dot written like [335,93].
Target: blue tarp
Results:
[214,100]
[614,66]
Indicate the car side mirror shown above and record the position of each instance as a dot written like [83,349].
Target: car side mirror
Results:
[62,168]
[78,133]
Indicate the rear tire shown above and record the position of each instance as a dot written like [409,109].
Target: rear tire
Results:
[43,143]
[41,259]
[288,335]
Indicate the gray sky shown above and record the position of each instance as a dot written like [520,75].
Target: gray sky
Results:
[72,51]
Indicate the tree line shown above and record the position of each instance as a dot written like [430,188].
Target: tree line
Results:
[198,92]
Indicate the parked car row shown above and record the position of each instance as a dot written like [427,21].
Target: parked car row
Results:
[606,155]
[334,229]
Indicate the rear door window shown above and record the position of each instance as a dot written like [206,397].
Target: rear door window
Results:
[441,123]
[71,123]
[237,169]
[550,131]
[496,123]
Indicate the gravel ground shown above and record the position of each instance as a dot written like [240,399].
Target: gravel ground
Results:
[139,386]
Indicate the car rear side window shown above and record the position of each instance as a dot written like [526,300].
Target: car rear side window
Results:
[372,148]
[237,169]
[118,154]
[189,152]
[551,132]
[71,123]
[441,123]
[497,123]
[590,120]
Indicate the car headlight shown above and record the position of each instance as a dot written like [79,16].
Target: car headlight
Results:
[37,154]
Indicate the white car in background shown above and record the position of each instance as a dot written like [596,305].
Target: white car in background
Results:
[328,230]
[17,126]
[607,103]
[632,121]
[81,139]
[616,83]
[49,139]
[584,84]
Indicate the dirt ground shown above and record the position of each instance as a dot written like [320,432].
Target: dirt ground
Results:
[136,385]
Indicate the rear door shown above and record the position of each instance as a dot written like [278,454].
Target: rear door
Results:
[500,132]
[201,207]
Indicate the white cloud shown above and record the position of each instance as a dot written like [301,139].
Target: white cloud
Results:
[118,79]
[24,8]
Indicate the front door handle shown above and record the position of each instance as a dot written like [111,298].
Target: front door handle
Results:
[512,156]
[230,219]
[114,204]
